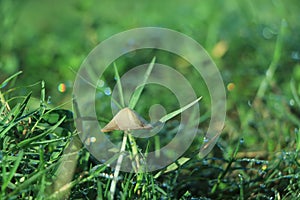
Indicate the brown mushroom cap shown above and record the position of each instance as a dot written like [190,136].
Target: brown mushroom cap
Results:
[125,120]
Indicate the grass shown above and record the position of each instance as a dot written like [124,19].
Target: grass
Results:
[136,155]
[41,152]
[256,48]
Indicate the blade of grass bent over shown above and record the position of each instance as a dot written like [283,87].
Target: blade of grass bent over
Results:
[4,83]
[176,112]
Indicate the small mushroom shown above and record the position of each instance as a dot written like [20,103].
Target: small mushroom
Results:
[125,120]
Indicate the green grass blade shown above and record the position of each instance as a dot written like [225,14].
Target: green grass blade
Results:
[138,91]
[274,63]
[241,186]
[294,92]
[99,191]
[4,83]
[23,106]
[50,141]
[12,171]
[119,86]
[30,140]
[30,180]
[43,96]
[153,186]
[3,131]
[176,112]
[298,141]
[41,193]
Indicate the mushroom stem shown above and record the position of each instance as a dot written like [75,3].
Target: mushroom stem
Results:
[118,167]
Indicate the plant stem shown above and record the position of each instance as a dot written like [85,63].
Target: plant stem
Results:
[118,167]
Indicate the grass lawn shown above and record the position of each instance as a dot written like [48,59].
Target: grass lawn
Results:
[256,48]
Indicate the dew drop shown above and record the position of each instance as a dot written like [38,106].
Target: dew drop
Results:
[205,139]
[49,100]
[22,179]
[261,172]
[93,139]
[295,55]
[242,141]
[241,176]
[267,33]
[249,103]
[100,83]
[90,140]
[262,186]
[166,185]
[107,91]
[292,102]
[258,162]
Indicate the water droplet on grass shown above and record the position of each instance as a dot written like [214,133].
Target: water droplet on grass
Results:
[22,179]
[107,91]
[49,100]
[258,162]
[100,83]
[204,162]
[249,103]
[295,55]
[205,139]
[262,186]
[93,139]
[268,33]
[242,141]
[261,172]
[90,140]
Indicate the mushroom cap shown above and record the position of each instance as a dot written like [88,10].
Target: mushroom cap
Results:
[125,120]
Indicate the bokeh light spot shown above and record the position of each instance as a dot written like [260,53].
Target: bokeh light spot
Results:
[62,87]
[230,87]
[220,49]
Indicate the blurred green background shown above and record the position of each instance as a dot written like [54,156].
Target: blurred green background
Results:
[48,40]
[252,42]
